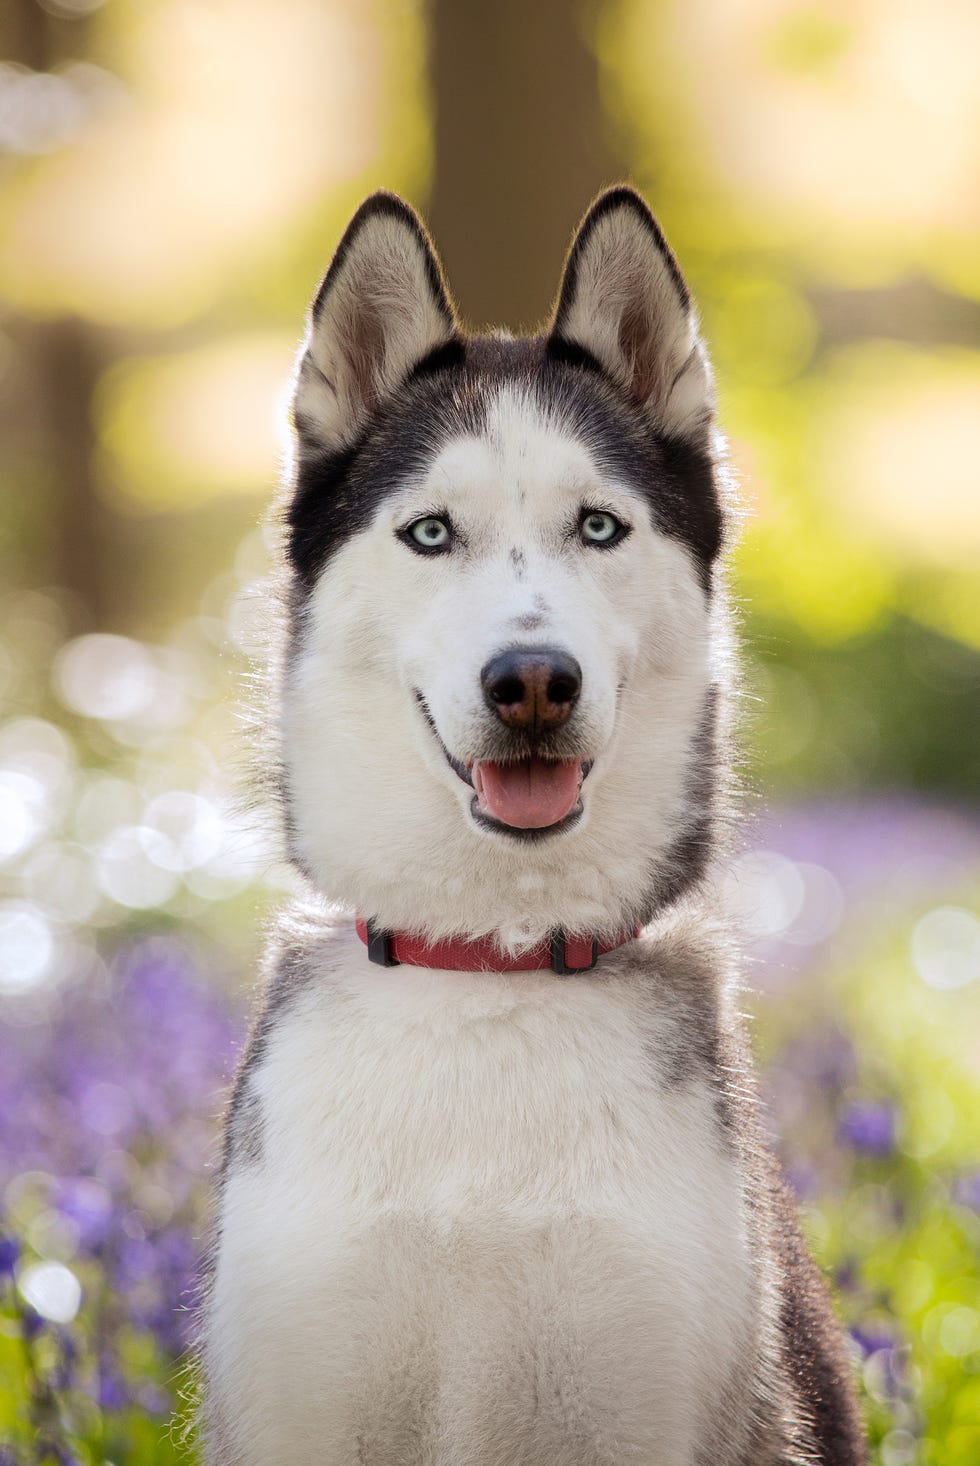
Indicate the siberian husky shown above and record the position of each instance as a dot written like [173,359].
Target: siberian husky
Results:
[495,1191]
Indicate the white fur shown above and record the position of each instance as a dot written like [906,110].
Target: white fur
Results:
[367,772]
[482,1233]
[489,1226]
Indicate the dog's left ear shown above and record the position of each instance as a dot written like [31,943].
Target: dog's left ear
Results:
[624,302]
[382,308]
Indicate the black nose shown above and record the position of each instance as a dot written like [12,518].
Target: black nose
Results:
[533,688]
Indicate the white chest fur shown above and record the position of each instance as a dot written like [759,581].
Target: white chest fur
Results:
[481,1231]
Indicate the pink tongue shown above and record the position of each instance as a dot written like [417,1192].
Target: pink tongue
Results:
[528,795]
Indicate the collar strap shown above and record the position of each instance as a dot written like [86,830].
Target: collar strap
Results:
[564,954]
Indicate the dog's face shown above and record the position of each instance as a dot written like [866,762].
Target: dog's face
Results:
[500,698]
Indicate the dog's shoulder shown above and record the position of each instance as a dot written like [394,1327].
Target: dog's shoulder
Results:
[304,946]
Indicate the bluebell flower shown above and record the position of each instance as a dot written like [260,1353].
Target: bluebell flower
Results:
[62,1375]
[869,1127]
[55,1451]
[9,1253]
[871,1338]
[31,1322]
[847,1276]
[88,1206]
[154,1400]
[966,1190]
[112,1391]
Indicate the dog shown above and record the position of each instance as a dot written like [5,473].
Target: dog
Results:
[495,1191]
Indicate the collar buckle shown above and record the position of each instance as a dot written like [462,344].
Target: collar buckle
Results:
[379,946]
[563,963]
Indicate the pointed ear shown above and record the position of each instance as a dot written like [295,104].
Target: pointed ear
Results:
[381,309]
[623,301]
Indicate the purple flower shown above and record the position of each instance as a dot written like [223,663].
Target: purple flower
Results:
[31,1322]
[153,1399]
[113,1393]
[137,1260]
[803,1177]
[62,1375]
[88,1205]
[178,1254]
[9,1253]
[53,1451]
[871,1339]
[966,1190]
[894,843]
[847,1276]
[869,1127]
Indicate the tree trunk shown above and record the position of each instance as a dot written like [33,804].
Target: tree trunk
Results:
[520,150]
[61,362]
[68,368]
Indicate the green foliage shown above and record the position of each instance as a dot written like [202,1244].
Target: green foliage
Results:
[895,1220]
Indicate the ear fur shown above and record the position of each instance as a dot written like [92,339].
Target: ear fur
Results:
[382,308]
[624,302]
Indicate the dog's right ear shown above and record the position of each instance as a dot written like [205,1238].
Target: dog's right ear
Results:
[624,303]
[381,309]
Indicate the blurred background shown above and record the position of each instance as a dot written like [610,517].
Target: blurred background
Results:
[175,175]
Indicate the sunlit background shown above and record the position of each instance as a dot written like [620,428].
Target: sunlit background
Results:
[175,174]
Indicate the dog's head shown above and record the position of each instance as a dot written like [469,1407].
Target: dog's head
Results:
[500,699]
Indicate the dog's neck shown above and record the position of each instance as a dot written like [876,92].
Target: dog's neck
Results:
[564,954]
[398,851]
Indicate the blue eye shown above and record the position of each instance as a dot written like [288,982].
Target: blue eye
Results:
[599,528]
[430,534]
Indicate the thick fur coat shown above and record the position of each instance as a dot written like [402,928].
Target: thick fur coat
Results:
[485,1218]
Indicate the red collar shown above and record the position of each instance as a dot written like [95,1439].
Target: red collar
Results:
[563,954]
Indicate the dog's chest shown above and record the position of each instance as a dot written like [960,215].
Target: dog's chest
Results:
[487,1219]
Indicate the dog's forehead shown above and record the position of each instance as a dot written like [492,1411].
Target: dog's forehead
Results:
[522,451]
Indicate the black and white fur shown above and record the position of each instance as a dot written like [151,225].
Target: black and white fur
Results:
[481,1219]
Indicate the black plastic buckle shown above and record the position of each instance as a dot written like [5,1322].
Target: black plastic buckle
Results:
[379,946]
[559,954]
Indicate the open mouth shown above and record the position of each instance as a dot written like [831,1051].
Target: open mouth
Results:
[526,798]
[530,797]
